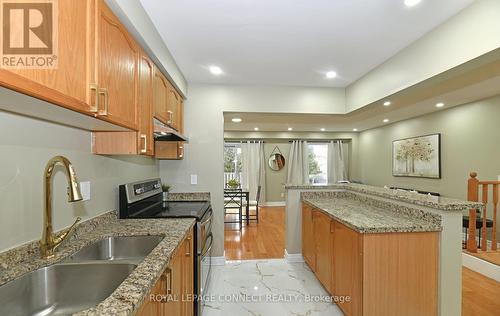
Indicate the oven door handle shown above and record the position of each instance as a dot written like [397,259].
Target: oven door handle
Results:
[209,219]
[211,237]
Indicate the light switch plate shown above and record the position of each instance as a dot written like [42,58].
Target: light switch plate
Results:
[85,190]
[194,179]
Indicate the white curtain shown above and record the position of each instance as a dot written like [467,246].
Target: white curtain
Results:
[253,168]
[338,161]
[298,164]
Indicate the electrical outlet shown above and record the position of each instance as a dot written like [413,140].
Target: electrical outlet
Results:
[85,190]
[282,194]
[194,179]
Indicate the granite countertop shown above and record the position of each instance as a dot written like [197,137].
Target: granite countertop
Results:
[364,217]
[130,294]
[435,202]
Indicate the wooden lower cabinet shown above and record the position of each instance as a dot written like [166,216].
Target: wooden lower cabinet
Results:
[347,276]
[308,244]
[176,283]
[323,248]
[381,273]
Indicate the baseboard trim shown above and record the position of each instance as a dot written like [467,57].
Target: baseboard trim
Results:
[218,261]
[483,267]
[276,203]
[293,257]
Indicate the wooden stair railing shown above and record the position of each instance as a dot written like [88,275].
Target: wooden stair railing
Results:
[473,195]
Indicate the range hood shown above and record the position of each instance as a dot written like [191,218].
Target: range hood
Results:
[165,133]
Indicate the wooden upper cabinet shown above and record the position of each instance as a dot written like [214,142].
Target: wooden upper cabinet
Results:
[160,96]
[174,100]
[68,85]
[145,106]
[323,241]
[308,246]
[117,70]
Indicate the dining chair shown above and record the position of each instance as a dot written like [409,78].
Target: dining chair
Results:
[233,199]
[254,204]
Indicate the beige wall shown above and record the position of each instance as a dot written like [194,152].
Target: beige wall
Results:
[471,33]
[25,147]
[275,180]
[469,142]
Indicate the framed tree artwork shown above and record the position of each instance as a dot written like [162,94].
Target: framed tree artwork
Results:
[417,157]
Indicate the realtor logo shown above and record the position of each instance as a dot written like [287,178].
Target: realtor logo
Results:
[29,34]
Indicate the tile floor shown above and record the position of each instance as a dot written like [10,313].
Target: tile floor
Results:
[266,287]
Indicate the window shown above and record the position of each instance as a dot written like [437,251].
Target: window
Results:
[318,163]
[232,161]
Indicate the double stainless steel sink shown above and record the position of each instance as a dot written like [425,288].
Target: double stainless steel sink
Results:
[82,281]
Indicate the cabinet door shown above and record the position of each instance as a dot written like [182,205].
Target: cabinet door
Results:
[308,248]
[154,307]
[323,249]
[180,116]
[117,69]
[67,85]
[188,276]
[169,150]
[348,269]
[160,96]
[145,107]
[174,287]
[174,100]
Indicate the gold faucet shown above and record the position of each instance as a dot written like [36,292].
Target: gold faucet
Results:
[50,241]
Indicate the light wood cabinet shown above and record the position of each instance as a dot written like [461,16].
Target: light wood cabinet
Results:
[160,96]
[380,273]
[68,85]
[169,150]
[347,276]
[117,70]
[308,244]
[175,285]
[323,243]
[174,100]
[133,143]
[188,276]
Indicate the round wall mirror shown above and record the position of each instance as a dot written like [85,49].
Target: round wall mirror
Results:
[276,161]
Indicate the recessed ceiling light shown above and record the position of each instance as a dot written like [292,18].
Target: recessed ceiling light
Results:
[215,70]
[439,105]
[386,120]
[387,103]
[323,129]
[331,74]
[411,3]
[290,129]
[255,128]
[236,120]
[354,129]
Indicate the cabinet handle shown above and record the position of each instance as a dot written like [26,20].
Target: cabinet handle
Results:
[95,90]
[104,92]
[144,149]
[170,115]
[168,286]
[188,253]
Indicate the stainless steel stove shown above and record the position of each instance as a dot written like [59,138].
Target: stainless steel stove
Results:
[144,199]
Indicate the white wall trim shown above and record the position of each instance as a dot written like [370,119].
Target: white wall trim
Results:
[293,257]
[483,267]
[219,261]
[274,203]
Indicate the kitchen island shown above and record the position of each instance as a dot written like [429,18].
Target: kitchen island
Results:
[379,246]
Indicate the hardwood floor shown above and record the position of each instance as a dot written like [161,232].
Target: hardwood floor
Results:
[480,295]
[265,240]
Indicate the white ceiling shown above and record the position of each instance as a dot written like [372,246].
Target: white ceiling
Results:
[286,42]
